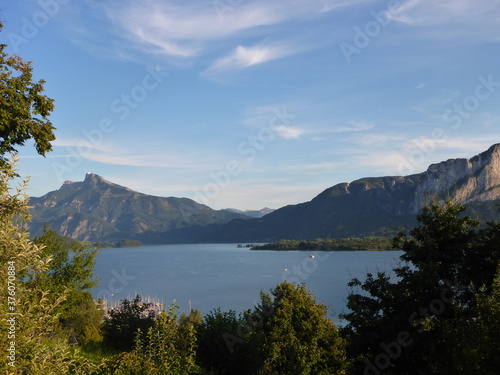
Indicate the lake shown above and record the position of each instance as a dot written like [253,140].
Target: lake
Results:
[207,276]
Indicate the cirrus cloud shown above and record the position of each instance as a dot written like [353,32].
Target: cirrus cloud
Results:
[243,57]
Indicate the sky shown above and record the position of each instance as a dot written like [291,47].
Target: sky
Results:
[254,103]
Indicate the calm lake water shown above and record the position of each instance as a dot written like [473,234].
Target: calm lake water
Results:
[208,276]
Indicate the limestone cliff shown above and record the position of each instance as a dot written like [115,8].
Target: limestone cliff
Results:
[378,205]
[461,180]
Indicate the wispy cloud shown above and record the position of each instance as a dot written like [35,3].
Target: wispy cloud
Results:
[278,193]
[281,120]
[243,57]
[421,12]
[153,156]
[288,132]
[314,168]
[355,126]
[472,19]
[331,5]
[187,29]
[395,155]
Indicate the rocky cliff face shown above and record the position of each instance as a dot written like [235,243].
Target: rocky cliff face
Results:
[380,204]
[461,180]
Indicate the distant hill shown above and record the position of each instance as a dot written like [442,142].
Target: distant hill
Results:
[253,213]
[98,210]
[374,206]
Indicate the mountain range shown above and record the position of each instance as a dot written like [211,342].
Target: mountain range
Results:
[98,210]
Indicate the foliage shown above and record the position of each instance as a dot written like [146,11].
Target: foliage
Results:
[353,243]
[122,323]
[294,336]
[71,268]
[287,333]
[37,347]
[221,344]
[97,245]
[72,264]
[24,110]
[430,311]
[158,352]
[188,325]
[129,243]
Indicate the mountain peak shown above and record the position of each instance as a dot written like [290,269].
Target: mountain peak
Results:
[99,210]
[92,178]
[493,150]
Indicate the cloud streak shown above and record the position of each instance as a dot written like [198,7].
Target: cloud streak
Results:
[471,19]
[165,27]
[160,158]
[243,57]
[355,126]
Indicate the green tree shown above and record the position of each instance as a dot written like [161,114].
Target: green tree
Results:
[188,326]
[157,351]
[294,336]
[29,335]
[222,347]
[72,264]
[37,350]
[286,333]
[404,325]
[71,268]
[122,323]
[24,110]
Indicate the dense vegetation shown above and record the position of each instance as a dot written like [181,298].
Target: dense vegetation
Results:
[108,245]
[439,315]
[353,243]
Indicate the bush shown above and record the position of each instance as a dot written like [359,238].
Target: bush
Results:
[122,324]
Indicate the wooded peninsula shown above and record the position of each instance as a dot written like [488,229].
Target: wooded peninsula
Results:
[371,243]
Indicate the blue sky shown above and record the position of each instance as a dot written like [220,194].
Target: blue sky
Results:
[253,103]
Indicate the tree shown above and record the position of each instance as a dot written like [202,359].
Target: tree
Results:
[221,344]
[188,326]
[157,351]
[472,342]
[71,268]
[122,323]
[24,110]
[286,333]
[29,335]
[28,315]
[72,264]
[405,325]
[294,336]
